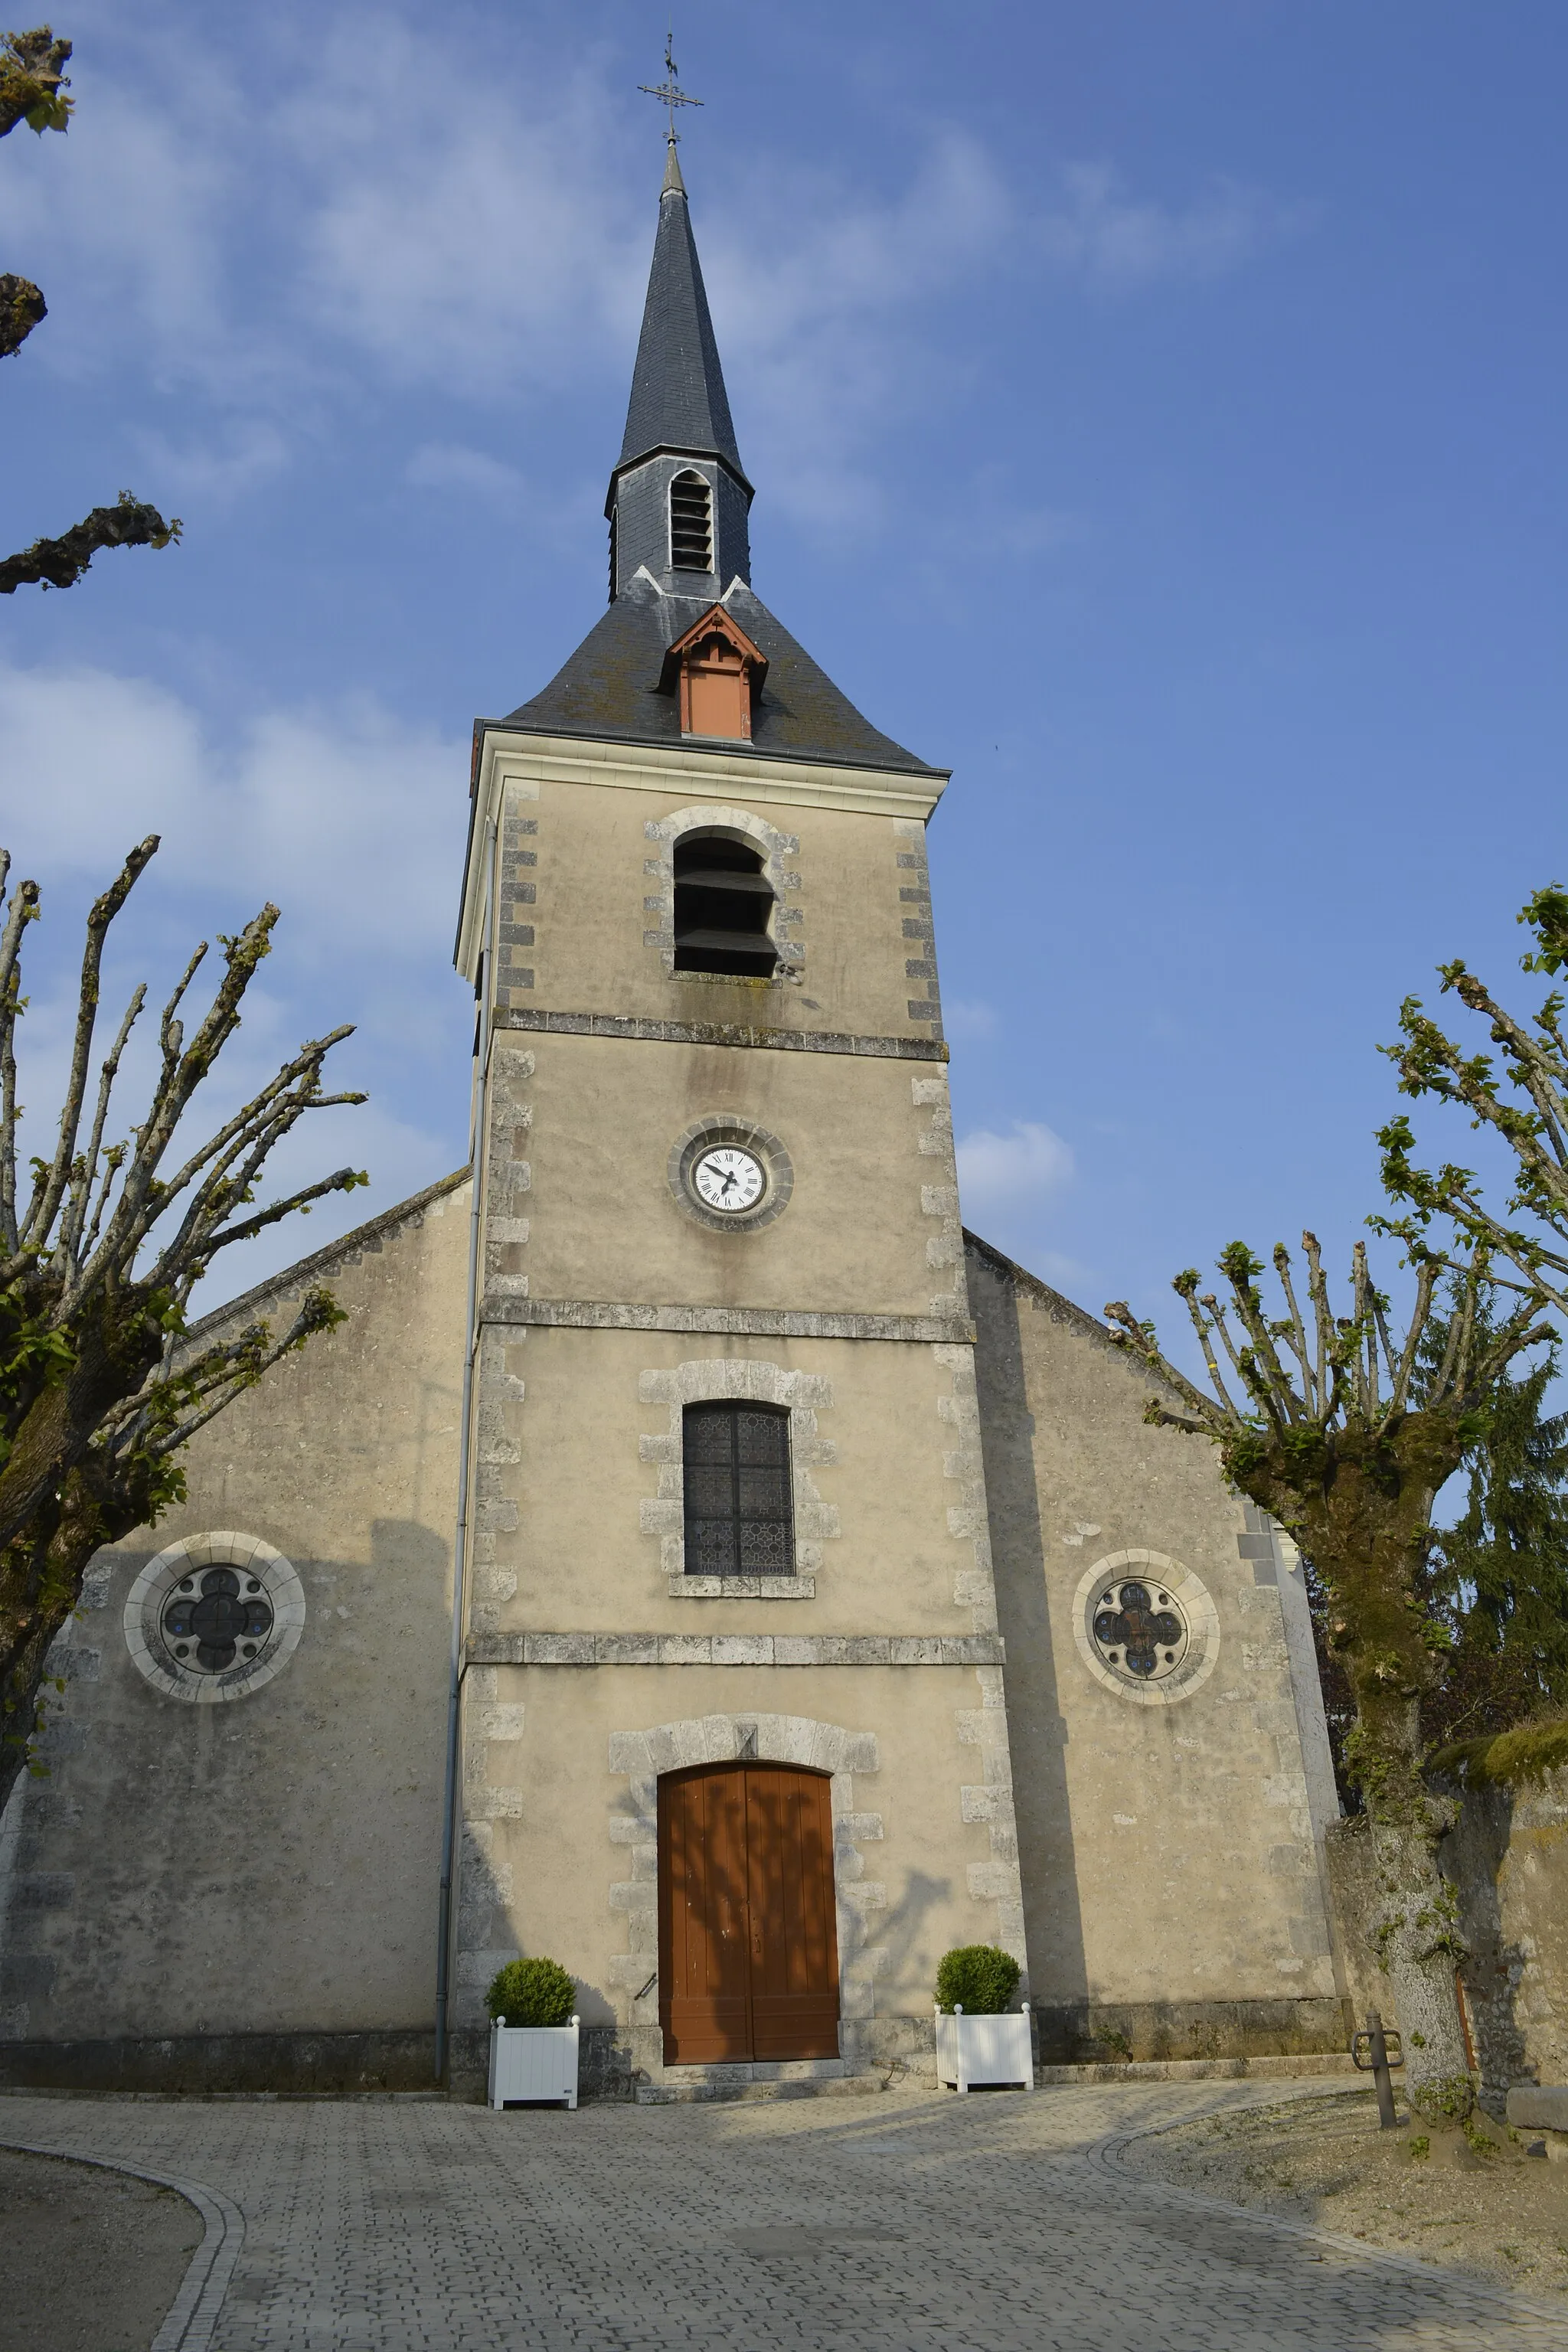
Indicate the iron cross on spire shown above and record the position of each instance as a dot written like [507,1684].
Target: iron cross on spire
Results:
[669,91]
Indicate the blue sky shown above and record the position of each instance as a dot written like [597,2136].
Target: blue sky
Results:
[1155,410]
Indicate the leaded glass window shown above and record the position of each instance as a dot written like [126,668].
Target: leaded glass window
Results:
[738,1517]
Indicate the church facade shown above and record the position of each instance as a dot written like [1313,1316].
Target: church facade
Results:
[694,1557]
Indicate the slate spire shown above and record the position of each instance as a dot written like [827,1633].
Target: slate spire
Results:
[679,496]
[679,401]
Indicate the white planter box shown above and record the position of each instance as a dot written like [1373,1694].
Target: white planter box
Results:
[971,2049]
[533,2062]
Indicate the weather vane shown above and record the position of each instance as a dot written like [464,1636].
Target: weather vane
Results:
[669,91]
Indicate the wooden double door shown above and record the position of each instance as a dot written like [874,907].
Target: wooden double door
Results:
[748,1950]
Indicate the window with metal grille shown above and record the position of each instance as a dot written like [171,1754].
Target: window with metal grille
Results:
[723,903]
[738,1517]
[690,524]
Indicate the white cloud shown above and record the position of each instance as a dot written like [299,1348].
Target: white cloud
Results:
[123,222]
[215,472]
[482,245]
[341,815]
[449,466]
[1121,240]
[968,1017]
[1005,1173]
[349,820]
[498,247]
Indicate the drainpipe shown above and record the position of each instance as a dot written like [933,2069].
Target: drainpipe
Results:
[460,1541]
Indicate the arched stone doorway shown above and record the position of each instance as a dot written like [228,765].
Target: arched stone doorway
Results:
[748,1950]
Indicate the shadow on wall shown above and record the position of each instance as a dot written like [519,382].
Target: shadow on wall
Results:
[902,1926]
[1508,1856]
[1036,1729]
[242,1897]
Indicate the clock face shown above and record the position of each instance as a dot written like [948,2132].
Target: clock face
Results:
[727,1178]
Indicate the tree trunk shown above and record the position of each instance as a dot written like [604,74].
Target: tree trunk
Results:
[1365,1525]
[41,1576]
[58,1504]
[1417,1934]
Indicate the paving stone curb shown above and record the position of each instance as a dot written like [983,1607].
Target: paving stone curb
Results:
[192,2316]
[1523,2310]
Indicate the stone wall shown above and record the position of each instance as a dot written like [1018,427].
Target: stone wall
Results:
[243,1894]
[1170,1835]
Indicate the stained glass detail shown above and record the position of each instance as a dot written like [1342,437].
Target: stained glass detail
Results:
[215,1619]
[1139,1630]
[739,1520]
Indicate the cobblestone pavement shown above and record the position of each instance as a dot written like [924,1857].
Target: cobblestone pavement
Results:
[913,2223]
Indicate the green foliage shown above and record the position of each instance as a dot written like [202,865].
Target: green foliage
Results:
[982,1978]
[1444,2098]
[33,82]
[532,1992]
[1490,1599]
[1509,1758]
[1497,1580]
[1547,915]
[1521,1096]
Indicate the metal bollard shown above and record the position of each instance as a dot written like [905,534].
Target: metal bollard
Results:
[1377,2063]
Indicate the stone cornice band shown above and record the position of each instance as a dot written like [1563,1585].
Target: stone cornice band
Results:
[736,1650]
[718,1032]
[740,1322]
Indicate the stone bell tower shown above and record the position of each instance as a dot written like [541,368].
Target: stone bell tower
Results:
[733,1742]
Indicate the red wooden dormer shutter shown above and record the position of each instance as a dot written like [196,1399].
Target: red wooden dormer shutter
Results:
[719,671]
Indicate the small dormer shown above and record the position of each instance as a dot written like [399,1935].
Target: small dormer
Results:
[718,674]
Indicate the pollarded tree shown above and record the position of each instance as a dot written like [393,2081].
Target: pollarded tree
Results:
[1495,1579]
[99,1389]
[33,86]
[1315,1418]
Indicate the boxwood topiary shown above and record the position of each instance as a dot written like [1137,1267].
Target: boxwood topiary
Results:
[981,1979]
[532,1992]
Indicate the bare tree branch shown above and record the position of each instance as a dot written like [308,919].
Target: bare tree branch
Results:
[98,1392]
[60,562]
[22,307]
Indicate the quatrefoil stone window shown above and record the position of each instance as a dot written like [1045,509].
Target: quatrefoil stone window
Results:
[1145,1627]
[214,1617]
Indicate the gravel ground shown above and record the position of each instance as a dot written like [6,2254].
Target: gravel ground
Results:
[90,2260]
[1325,2161]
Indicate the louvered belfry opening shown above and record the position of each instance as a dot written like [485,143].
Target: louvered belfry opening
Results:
[723,905]
[739,1521]
[690,524]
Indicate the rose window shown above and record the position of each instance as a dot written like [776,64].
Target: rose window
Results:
[215,1618]
[1140,1630]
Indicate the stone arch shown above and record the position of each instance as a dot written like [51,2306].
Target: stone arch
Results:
[776,849]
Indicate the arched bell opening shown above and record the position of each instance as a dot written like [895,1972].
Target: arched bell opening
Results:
[690,523]
[723,908]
